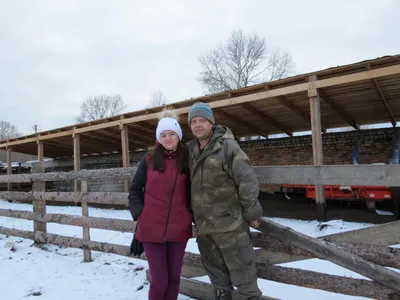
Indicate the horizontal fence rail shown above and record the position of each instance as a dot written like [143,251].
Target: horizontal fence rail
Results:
[373,175]
[119,198]
[114,173]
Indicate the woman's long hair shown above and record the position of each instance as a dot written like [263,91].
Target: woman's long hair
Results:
[157,158]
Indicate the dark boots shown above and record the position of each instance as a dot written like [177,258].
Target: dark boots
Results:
[222,294]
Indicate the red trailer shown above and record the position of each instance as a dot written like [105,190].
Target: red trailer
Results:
[369,194]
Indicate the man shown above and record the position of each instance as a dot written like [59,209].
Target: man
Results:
[224,203]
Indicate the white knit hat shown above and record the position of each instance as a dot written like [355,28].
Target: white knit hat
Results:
[168,121]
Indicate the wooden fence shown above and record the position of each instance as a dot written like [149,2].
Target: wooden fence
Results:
[363,251]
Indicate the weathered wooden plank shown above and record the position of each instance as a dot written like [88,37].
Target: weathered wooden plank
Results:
[373,175]
[17,232]
[337,284]
[82,221]
[72,175]
[379,235]
[76,197]
[125,152]
[334,254]
[39,204]
[9,167]
[85,229]
[277,249]
[315,112]
[382,234]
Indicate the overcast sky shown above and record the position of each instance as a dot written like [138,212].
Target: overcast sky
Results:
[54,54]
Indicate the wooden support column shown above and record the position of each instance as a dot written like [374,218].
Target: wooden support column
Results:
[125,152]
[39,206]
[82,186]
[318,160]
[9,167]
[77,159]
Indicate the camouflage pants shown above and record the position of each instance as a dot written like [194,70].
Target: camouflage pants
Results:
[229,260]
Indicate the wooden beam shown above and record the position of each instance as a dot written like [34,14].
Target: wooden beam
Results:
[383,99]
[72,197]
[378,254]
[116,137]
[106,174]
[9,167]
[125,153]
[381,235]
[77,159]
[146,126]
[39,205]
[243,123]
[73,220]
[263,116]
[339,110]
[337,255]
[370,175]
[87,256]
[334,81]
[81,186]
[141,139]
[315,112]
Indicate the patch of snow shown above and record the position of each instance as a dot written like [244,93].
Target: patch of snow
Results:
[384,213]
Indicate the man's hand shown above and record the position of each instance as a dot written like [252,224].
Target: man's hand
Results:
[255,223]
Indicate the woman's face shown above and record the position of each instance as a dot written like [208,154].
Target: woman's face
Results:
[169,139]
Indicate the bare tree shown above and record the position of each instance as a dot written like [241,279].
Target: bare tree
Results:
[157,99]
[8,130]
[241,61]
[99,107]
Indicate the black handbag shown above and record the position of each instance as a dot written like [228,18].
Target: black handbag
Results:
[136,248]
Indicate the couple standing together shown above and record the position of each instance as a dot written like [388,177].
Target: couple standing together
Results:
[210,182]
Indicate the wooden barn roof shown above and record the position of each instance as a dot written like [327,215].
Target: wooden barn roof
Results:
[362,93]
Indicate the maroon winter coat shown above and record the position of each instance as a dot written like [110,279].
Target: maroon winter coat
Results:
[164,215]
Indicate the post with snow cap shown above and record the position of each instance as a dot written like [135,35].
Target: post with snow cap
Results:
[318,159]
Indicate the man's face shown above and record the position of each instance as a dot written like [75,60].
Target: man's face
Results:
[201,128]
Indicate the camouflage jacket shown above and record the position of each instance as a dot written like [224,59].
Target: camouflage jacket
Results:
[224,185]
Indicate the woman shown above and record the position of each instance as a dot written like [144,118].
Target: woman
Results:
[159,201]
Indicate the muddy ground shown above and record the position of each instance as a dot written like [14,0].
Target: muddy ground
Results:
[304,209]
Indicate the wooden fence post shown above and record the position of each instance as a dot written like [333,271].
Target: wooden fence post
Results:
[82,186]
[39,206]
[87,256]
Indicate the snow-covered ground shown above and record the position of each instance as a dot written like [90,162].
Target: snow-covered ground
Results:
[60,273]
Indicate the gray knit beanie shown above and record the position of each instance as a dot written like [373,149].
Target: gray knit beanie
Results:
[203,110]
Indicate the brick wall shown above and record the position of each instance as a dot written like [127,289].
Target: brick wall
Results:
[376,146]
